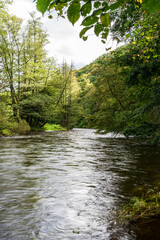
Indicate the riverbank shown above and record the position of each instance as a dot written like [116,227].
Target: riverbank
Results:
[142,213]
[8,128]
[22,127]
[146,205]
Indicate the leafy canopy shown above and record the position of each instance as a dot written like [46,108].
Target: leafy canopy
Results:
[95,14]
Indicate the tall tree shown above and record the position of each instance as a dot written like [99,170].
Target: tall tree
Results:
[9,47]
[23,57]
[67,95]
[34,55]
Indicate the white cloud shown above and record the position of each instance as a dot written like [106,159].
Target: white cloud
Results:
[64,38]
[65,50]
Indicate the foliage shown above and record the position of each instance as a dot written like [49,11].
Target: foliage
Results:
[86,71]
[128,85]
[124,19]
[22,51]
[85,99]
[119,92]
[36,109]
[96,14]
[146,206]
[12,127]
[53,127]
[38,90]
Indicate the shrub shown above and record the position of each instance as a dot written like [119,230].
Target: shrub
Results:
[11,128]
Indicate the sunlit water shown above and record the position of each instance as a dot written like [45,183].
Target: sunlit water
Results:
[69,185]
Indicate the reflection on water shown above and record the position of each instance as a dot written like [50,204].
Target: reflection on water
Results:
[68,185]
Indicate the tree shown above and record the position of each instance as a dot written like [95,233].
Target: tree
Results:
[9,44]
[127,94]
[68,91]
[23,58]
[36,90]
[37,109]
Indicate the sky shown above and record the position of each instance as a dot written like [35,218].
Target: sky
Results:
[65,43]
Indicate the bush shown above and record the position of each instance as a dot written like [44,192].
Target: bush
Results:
[23,127]
[8,128]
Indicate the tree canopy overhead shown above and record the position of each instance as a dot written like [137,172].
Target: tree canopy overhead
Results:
[95,14]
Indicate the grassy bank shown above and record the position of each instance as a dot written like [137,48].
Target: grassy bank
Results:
[48,127]
[53,127]
[146,206]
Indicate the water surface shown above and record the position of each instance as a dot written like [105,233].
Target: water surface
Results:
[69,185]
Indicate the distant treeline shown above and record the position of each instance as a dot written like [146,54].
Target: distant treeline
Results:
[119,92]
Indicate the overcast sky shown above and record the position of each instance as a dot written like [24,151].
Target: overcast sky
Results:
[64,38]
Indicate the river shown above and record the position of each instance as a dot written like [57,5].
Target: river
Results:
[69,185]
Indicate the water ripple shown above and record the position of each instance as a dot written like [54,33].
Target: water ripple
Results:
[69,185]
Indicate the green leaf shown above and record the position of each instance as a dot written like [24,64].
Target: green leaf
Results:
[53,4]
[86,8]
[97,12]
[106,8]
[105,19]
[107,49]
[128,35]
[42,5]
[98,28]
[73,12]
[116,5]
[105,34]
[97,4]
[138,30]
[103,41]
[89,20]
[85,38]
[104,4]
[84,30]
[152,6]
[126,24]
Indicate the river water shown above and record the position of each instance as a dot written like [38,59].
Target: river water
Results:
[69,185]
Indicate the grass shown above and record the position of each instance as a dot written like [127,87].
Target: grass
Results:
[144,207]
[53,127]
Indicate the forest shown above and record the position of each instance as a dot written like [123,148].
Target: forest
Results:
[119,92]
[81,184]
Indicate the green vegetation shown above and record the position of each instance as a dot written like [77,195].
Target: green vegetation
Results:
[119,92]
[143,207]
[126,85]
[98,15]
[53,127]
[34,90]
[8,128]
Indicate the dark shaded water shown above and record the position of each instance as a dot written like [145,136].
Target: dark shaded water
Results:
[68,185]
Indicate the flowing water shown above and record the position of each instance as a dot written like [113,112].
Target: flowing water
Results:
[69,185]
